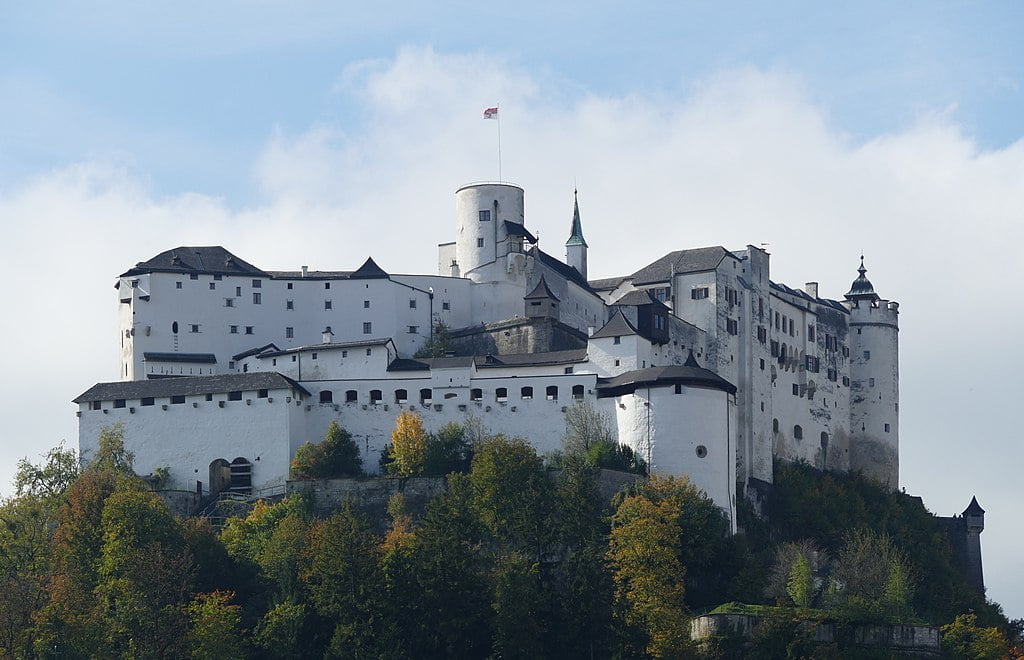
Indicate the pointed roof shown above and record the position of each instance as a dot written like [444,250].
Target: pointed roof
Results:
[974,508]
[617,326]
[576,233]
[369,271]
[861,287]
[691,361]
[541,291]
[681,261]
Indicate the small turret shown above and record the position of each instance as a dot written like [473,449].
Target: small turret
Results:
[861,289]
[576,246]
[974,521]
[541,302]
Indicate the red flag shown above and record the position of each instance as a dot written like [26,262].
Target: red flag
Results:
[491,113]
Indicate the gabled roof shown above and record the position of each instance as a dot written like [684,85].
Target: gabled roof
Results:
[516,229]
[213,260]
[369,271]
[681,261]
[190,358]
[688,374]
[608,283]
[383,341]
[535,359]
[562,268]
[617,326]
[541,292]
[639,297]
[188,385]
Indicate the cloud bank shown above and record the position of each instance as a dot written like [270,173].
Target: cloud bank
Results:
[745,156]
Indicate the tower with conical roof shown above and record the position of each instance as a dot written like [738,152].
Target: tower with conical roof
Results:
[874,381]
[576,246]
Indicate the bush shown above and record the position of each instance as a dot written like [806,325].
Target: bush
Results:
[337,456]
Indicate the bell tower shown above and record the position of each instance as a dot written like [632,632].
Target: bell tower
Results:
[576,246]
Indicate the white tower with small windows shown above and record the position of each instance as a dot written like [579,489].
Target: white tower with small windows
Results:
[874,382]
[489,226]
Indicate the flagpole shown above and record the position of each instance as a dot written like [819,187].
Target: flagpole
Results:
[499,141]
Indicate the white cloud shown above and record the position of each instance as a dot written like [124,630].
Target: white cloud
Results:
[744,157]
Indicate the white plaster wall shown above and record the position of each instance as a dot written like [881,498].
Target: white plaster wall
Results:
[504,202]
[187,437]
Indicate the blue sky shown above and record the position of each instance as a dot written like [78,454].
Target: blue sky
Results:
[892,128]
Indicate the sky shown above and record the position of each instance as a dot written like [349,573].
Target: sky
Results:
[308,133]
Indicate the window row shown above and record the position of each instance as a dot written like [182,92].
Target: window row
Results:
[426,395]
[175,399]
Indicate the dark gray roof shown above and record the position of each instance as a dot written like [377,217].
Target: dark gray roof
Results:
[862,287]
[408,364]
[369,271]
[189,385]
[974,508]
[608,283]
[681,261]
[191,358]
[800,293]
[255,351]
[310,274]
[516,229]
[662,376]
[535,359]
[453,362]
[213,260]
[541,292]
[639,297]
[562,268]
[617,326]
[327,347]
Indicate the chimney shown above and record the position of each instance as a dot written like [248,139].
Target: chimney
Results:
[812,289]
[305,270]
[328,335]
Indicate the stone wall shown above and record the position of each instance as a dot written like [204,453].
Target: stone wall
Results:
[516,336]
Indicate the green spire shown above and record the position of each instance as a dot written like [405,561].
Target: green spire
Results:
[576,236]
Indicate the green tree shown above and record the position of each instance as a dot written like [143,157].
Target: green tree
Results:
[448,450]
[520,605]
[963,638]
[511,492]
[800,586]
[215,627]
[335,457]
[408,445]
[50,479]
[589,437]
[282,632]
[439,344]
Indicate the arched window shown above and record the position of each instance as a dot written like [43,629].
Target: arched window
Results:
[174,327]
[326,396]
[775,426]
[526,392]
[577,392]
[476,394]
[551,393]
[501,394]
[376,396]
[401,396]
[798,432]
[351,396]
[426,396]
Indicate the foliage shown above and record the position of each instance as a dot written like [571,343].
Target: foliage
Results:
[963,638]
[439,344]
[786,554]
[50,479]
[589,437]
[335,457]
[215,627]
[408,445]
[801,583]
[511,492]
[280,632]
[520,603]
[448,450]
[111,454]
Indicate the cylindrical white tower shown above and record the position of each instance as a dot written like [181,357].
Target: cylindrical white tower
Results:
[481,235]
[874,383]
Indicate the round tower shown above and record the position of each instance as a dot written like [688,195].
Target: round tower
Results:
[874,381]
[489,225]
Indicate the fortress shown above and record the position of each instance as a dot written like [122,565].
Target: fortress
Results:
[703,364]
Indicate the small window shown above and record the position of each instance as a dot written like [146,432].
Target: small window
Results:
[367,327]
[213,285]
[177,285]
[366,304]
[256,284]
[229,302]
[351,396]
[376,396]
[209,396]
[479,242]
[289,333]
[135,284]
[238,292]
[174,327]
[476,394]
[369,351]
[577,392]
[289,286]
[327,285]
[231,364]
[775,426]
[445,305]
[426,396]
[273,362]
[846,381]
[294,358]
[762,364]
[344,354]
[796,390]
[485,216]
[95,405]
[526,392]
[177,400]
[257,298]
[412,304]
[501,394]
[289,304]
[702,451]
[193,276]
[867,355]
[618,362]
[450,395]
[232,329]
[886,428]
[328,304]
[218,278]
[798,432]
[194,328]
[617,340]
[234,396]
[401,396]
[699,293]
[248,330]
[810,333]
[871,382]
[313,356]
[568,370]
[414,329]
[551,393]
[732,326]
[119,403]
